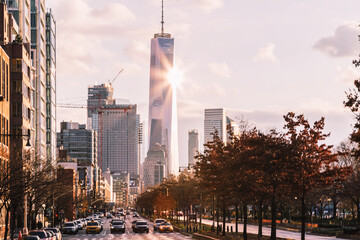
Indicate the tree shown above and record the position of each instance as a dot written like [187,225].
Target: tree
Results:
[311,163]
[211,169]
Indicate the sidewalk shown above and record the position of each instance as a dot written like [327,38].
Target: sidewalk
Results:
[267,231]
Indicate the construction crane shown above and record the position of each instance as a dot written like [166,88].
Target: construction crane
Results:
[112,81]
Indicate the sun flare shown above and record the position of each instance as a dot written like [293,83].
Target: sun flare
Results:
[174,77]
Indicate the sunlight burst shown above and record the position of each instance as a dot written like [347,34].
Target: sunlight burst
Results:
[174,76]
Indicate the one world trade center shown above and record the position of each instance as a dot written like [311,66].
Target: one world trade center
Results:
[162,101]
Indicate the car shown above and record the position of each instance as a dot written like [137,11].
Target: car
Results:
[70,227]
[88,219]
[117,226]
[100,214]
[56,231]
[133,224]
[136,215]
[109,215]
[40,233]
[157,223]
[51,235]
[30,237]
[79,224]
[141,226]
[115,219]
[93,227]
[166,227]
[180,213]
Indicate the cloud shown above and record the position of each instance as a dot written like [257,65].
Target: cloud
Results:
[220,69]
[209,5]
[266,54]
[347,75]
[343,43]
[138,51]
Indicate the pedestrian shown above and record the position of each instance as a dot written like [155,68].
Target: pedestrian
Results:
[39,225]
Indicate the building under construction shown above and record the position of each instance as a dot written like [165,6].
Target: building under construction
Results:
[118,129]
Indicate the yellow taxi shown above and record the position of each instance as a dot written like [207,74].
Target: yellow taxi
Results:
[93,227]
[166,227]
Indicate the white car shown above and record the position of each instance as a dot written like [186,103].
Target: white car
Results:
[70,227]
[56,231]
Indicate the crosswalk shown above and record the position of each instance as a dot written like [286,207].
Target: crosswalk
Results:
[127,235]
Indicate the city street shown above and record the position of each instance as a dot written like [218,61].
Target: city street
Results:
[129,234]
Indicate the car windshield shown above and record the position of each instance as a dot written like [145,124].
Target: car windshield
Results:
[55,230]
[159,220]
[141,223]
[40,234]
[69,225]
[165,224]
[93,224]
[118,223]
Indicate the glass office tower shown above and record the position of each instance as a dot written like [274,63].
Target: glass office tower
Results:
[162,104]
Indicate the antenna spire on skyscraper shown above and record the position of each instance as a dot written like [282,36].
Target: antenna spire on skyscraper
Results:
[162,16]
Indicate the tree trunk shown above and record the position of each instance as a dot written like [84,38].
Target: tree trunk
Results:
[6,222]
[236,218]
[303,217]
[224,217]
[334,208]
[260,219]
[245,221]
[217,217]
[273,219]
[358,209]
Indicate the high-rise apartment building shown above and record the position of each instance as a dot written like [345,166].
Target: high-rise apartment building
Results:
[193,146]
[4,126]
[215,120]
[118,127]
[50,86]
[121,188]
[21,10]
[31,19]
[38,56]
[81,144]
[162,104]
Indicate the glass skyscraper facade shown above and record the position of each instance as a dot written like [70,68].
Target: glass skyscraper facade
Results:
[162,104]
[50,86]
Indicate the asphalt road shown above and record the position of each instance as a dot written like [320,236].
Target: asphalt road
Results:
[129,234]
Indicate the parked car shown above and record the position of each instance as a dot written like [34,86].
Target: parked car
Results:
[117,226]
[56,231]
[141,226]
[93,227]
[166,227]
[70,227]
[30,237]
[51,235]
[157,223]
[40,233]
[109,215]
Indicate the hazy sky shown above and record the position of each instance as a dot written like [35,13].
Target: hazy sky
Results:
[259,59]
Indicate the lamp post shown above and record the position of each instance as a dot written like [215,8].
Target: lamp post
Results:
[25,230]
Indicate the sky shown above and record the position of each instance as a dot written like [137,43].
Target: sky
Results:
[258,59]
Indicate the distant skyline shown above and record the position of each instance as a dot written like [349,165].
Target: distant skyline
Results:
[257,59]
